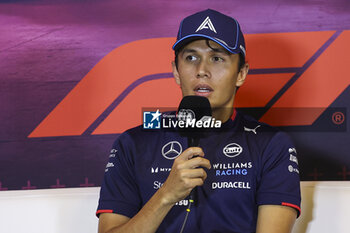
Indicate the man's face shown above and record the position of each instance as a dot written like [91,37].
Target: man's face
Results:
[211,72]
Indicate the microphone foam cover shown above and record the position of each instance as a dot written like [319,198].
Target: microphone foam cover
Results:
[195,107]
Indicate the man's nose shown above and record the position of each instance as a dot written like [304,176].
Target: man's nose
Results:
[203,70]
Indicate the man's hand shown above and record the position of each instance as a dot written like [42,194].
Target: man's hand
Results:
[186,173]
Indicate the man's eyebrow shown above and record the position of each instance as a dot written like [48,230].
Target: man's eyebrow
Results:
[221,50]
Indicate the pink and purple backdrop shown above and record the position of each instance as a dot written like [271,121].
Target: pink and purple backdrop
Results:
[48,49]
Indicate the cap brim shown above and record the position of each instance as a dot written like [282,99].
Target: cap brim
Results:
[187,39]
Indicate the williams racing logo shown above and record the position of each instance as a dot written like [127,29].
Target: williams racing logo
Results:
[185,118]
[232,169]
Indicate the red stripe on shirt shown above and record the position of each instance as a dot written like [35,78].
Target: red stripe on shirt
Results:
[234,114]
[103,211]
[291,205]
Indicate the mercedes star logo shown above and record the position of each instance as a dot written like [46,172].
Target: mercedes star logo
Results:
[172,150]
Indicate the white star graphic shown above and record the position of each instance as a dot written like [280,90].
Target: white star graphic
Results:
[156,115]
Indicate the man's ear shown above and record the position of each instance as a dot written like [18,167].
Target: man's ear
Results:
[176,73]
[242,75]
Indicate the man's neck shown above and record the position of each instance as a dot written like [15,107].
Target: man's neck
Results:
[222,114]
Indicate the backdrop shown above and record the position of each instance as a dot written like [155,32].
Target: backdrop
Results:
[76,74]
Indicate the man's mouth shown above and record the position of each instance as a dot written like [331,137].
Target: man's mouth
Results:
[203,90]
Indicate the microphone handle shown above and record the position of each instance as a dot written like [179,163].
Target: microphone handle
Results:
[193,142]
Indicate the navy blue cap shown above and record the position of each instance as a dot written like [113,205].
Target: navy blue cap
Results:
[212,25]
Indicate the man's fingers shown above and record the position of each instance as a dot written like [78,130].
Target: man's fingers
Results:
[198,162]
[190,153]
[196,182]
[193,163]
[195,173]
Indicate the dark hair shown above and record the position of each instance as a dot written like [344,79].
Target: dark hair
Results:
[240,63]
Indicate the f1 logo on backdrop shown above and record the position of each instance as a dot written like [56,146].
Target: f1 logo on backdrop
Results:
[288,70]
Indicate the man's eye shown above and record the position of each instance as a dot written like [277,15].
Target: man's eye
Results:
[217,59]
[191,58]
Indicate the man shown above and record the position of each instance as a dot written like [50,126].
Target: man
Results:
[245,179]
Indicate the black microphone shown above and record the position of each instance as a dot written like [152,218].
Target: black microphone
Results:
[197,108]
[193,108]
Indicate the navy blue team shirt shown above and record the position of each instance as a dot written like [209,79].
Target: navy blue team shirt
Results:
[252,164]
